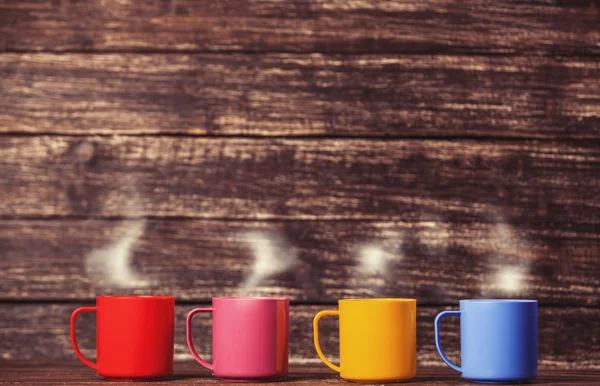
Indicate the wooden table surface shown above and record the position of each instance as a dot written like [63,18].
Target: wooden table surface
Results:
[190,373]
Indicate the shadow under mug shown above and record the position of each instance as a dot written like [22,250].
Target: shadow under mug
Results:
[134,336]
[498,340]
[377,339]
[249,340]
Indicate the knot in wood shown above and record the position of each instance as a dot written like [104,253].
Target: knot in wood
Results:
[84,152]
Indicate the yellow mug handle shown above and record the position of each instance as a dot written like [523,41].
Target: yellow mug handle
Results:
[318,316]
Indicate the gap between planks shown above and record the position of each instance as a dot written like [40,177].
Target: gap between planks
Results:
[387,138]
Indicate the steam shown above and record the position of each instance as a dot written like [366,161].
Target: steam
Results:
[272,254]
[505,273]
[375,260]
[111,265]
[510,265]
[509,279]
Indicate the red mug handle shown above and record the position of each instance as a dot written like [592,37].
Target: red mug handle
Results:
[74,340]
[204,363]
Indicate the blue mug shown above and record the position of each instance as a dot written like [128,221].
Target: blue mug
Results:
[498,340]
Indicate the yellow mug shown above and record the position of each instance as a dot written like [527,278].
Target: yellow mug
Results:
[378,339]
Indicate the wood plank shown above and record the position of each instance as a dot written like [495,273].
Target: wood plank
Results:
[301,95]
[567,336]
[190,373]
[312,261]
[356,179]
[546,26]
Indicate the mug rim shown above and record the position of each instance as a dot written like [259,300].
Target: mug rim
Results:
[391,300]
[498,301]
[250,298]
[136,297]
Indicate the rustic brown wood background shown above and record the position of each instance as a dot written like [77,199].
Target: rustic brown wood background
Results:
[459,137]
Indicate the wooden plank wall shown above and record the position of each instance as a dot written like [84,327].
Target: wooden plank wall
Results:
[436,149]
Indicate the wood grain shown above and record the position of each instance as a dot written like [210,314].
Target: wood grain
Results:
[190,373]
[301,95]
[540,26]
[362,179]
[435,262]
[567,336]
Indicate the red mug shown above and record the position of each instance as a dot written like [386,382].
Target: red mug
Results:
[250,338]
[134,336]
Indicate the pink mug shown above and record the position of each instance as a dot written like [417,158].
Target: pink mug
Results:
[250,338]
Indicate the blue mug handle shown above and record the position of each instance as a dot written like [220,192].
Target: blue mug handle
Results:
[437,338]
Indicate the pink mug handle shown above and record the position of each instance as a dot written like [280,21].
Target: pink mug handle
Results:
[189,337]
[74,340]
